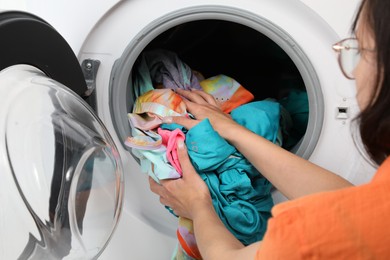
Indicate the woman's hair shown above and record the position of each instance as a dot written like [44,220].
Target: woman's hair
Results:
[375,118]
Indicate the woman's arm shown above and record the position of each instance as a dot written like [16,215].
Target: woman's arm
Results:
[291,175]
[215,241]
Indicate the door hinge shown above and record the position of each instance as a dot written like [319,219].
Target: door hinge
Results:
[90,68]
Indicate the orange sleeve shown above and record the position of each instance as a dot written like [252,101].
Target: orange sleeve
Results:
[282,239]
[351,223]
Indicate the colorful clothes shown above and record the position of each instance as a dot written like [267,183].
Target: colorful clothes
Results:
[155,163]
[241,195]
[142,140]
[161,102]
[162,69]
[148,145]
[169,140]
[227,91]
[146,117]
[350,223]
[187,247]
[145,121]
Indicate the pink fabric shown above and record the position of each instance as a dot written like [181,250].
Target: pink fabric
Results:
[169,139]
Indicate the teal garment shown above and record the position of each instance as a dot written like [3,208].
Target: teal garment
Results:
[142,80]
[173,126]
[297,104]
[261,117]
[241,195]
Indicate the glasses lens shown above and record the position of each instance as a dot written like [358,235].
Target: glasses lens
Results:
[349,57]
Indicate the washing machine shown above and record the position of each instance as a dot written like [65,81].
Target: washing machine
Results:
[69,71]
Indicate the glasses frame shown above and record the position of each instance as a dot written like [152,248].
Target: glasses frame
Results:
[338,47]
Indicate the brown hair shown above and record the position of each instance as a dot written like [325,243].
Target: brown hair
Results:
[375,118]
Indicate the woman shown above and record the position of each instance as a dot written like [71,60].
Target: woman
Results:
[326,216]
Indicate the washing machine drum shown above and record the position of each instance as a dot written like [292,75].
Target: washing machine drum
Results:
[60,172]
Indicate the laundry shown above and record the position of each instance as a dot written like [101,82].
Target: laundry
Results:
[161,102]
[144,140]
[146,117]
[241,195]
[187,248]
[169,140]
[227,92]
[297,105]
[163,68]
[144,121]
[146,143]
[155,163]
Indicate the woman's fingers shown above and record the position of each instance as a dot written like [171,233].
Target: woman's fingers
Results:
[191,95]
[198,97]
[184,159]
[155,187]
[160,190]
[207,97]
[180,120]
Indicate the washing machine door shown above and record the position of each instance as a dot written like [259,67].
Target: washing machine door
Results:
[60,172]
[27,39]
[61,179]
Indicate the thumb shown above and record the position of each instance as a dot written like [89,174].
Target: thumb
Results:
[184,159]
[180,120]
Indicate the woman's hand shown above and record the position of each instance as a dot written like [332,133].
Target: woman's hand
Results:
[185,196]
[203,105]
[189,197]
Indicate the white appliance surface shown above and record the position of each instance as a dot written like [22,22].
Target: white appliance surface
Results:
[338,14]
[104,29]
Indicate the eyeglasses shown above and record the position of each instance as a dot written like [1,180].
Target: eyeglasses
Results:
[349,55]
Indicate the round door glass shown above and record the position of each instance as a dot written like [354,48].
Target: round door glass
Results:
[60,167]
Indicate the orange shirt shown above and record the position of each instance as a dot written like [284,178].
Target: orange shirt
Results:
[351,223]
